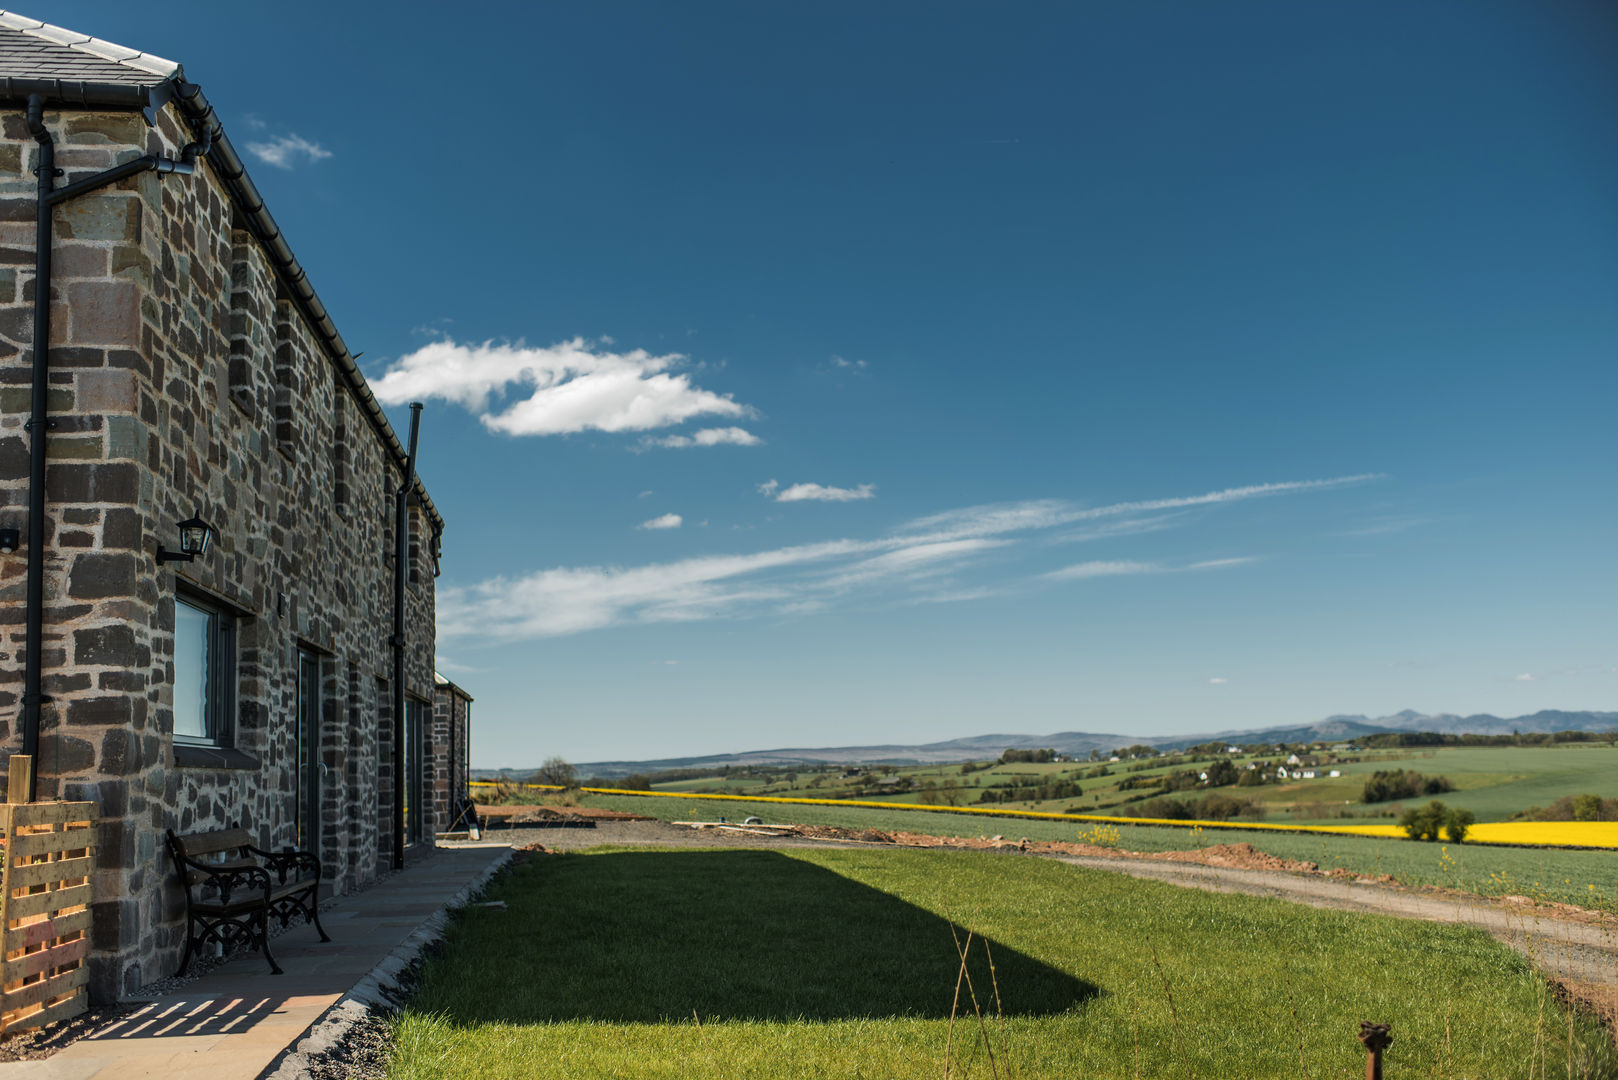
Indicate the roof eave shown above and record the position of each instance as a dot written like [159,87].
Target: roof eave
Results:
[227,165]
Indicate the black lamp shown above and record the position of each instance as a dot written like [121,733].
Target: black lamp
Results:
[196,537]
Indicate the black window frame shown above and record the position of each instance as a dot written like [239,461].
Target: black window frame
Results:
[224,662]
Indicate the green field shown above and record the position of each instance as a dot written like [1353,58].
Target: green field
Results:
[767,964]
[1586,878]
[1493,782]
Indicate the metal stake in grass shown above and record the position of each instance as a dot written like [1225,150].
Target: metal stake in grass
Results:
[1377,1038]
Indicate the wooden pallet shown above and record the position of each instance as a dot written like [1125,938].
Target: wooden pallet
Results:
[45,869]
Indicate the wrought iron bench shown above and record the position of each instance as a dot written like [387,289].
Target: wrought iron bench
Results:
[230,902]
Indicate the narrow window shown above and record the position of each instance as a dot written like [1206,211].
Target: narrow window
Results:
[339,448]
[246,320]
[204,672]
[413,515]
[286,321]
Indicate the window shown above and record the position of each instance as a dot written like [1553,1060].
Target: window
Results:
[204,672]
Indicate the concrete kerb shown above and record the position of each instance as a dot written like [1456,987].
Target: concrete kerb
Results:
[375,990]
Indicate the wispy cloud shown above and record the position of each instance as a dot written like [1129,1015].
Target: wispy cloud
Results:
[821,493]
[725,436]
[1102,568]
[288,151]
[1388,523]
[1527,677]
[663,521]
[560,389]
[1218,680]
[844,364]
[922,561]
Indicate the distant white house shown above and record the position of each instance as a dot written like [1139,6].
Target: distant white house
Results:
[1335,772]
[1233,749]
[1294,759]
[1309,774]
[1281,773]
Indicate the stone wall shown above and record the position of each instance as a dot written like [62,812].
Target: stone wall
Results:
[181,383]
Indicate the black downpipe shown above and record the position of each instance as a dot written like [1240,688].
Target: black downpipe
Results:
[32,695]
[50,197]
[401,550]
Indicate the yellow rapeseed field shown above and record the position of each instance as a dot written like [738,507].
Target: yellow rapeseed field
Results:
[1585,834]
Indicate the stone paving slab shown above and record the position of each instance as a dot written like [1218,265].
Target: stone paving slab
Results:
[236,1021]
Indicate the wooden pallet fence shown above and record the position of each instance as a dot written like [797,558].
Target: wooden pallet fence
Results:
[45,869]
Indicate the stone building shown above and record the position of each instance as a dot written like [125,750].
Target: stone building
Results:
[194,373]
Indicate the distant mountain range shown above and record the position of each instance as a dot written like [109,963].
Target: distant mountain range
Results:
[1080,743]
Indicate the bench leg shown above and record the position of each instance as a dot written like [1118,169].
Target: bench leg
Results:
[314,917]
[190,946]
[264,940]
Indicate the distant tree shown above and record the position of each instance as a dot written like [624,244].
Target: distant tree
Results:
[556,770]
[632,782]
[1221,772]
[1385,785]
[1587,808]
[1456,825]
[1030,756]
[1429,821]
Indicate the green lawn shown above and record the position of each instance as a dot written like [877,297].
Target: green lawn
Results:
[747,963]
[1548,873]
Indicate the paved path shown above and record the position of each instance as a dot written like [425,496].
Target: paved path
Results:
[233,1022]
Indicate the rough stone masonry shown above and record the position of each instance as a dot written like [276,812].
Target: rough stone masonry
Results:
[184,380]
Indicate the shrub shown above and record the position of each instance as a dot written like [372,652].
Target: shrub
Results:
[1429,821]
[1385,785]
[1572,808]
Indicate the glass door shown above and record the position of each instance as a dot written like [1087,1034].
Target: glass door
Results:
[412,776]
[309,764]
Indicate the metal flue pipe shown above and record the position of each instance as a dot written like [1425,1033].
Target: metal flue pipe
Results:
[401,548]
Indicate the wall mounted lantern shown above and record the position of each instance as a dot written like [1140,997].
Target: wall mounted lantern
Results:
[196,537]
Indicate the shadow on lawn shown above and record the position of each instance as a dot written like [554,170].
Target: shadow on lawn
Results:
[653,935]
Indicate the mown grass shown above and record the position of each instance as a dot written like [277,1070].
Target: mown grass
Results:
[1586,878]
[739,963]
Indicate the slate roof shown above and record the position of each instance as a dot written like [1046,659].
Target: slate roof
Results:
[30,49]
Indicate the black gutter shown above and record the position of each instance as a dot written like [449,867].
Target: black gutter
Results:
[50,197]
[401,503]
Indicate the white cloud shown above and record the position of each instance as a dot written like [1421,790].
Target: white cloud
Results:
[823,493]
[1217,681]
[848,365]
[1527,677]
[569,387]
[725,436]
[1104,568]
[288,151]
[662,521]
[920,562]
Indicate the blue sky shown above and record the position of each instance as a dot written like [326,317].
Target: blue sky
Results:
[1143,368]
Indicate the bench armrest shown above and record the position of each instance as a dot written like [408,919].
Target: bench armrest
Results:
[298,864]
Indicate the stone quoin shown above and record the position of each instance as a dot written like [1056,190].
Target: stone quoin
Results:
[193,371]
